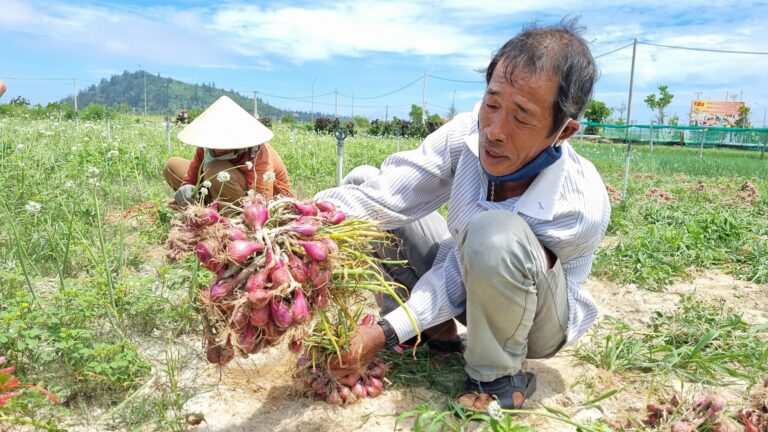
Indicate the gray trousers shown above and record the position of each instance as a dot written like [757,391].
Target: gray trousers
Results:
[516,306]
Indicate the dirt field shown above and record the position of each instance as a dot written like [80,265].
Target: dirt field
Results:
[254,394]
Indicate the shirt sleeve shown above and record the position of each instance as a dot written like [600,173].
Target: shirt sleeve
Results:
[438,296]
[193,171]
[282,186]
[411,185]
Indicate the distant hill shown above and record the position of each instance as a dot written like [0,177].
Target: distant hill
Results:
[165,96]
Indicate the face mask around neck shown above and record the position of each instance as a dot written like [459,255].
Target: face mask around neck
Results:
[544,159]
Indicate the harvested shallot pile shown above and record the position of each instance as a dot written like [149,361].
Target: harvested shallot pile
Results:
[755,418]
[285,269]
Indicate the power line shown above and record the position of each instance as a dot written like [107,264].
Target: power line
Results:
[456,80]
[437,106]
[47,79]
[613,51]
[385,94]
[704,49]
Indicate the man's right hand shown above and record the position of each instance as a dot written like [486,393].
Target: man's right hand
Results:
[367,341]
[184,194]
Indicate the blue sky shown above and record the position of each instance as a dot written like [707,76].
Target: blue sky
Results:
[290,50]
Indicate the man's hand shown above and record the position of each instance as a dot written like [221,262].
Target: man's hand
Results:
[366,342]
[184,194]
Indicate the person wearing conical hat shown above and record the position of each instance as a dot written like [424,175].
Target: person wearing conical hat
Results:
[233,157]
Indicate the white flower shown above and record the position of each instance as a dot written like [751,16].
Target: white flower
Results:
[222,176]
[269,176]
[203,191]
[19,146]
[93,170]
[33,207]
[70,184]
[250,193]
[112,153]
[494,410]
[93,181]
[206,184]
[249,164]
[74,148]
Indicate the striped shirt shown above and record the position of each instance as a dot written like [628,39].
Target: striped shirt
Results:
[566,206]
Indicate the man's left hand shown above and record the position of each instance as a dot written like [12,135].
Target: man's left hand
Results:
[366,342]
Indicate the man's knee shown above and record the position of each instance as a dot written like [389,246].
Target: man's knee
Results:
[497,238]
[360,175]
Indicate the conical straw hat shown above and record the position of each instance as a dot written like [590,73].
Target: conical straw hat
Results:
[225,125]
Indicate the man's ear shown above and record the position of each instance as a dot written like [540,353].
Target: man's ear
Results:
[570,129]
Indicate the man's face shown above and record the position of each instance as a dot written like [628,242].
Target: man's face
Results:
[515,120]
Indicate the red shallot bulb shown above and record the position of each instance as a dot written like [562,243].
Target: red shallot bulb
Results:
[316,250]
[281,314]
[255,215]
[240,250]
[305,209]
[300,309]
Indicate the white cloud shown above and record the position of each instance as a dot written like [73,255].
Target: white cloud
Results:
[460,34]
[345,29]
[161,35]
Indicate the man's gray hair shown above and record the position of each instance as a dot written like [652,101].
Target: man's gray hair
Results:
[559,50]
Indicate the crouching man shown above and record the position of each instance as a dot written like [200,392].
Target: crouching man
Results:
[525,215]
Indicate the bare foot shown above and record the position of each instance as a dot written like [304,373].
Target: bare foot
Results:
[480,401]
[476,401]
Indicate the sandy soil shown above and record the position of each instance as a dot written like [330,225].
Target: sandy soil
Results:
[254,394]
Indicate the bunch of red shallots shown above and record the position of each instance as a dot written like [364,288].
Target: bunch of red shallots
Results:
[285,268]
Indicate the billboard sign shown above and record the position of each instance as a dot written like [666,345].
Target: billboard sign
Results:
[714,113]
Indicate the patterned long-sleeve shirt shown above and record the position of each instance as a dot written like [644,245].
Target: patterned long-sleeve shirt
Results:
[264,158]
[566,206]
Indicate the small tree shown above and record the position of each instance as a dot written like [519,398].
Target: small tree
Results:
[597,112]
[674,120]
[19,101]
[743,120]
[621,109]
[659,103]
[416,114]
[451,111]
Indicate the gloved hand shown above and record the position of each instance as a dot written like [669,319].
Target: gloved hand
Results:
[184,194]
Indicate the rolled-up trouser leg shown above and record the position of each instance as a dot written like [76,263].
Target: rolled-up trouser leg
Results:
[416,243]
[174,171]
[516,306]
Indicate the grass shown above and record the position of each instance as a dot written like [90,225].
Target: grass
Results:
[84,285]
[698,342]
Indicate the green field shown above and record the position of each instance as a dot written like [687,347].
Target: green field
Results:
[83,286]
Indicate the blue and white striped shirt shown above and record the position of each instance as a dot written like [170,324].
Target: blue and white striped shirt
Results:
[566,206]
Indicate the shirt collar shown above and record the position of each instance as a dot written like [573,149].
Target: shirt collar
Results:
[538,200]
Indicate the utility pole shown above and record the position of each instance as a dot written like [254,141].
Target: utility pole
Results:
[453,105]
[424,101]
[74,92]
[312,109]
[386,113]
[336,109]
[629,125]
[353,106]
[145,89]
[631,82]
[255,105]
